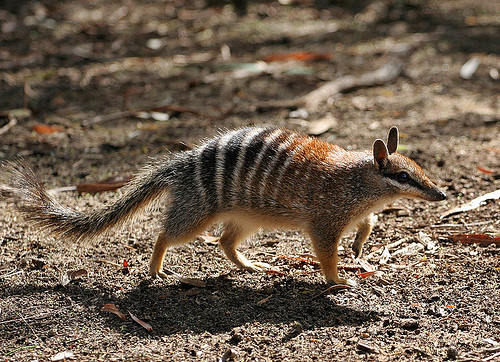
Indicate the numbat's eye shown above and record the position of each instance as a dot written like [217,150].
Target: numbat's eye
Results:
[403,177]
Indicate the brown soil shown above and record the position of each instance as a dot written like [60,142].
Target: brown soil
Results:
[69,62]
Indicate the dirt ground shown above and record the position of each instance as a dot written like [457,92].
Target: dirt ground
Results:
[104,85]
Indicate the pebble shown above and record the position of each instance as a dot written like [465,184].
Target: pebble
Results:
[452,352]
[470,67]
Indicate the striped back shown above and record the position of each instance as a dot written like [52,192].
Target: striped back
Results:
[254,167]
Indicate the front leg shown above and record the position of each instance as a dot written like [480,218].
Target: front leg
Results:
[325,243]
[365,227]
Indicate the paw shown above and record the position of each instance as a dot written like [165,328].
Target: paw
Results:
[256,266]
[342,281]
[157,274]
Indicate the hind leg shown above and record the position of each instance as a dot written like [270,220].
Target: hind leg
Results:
[169,238]
[233,234]
[163,242]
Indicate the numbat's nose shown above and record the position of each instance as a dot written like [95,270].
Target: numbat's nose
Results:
[440,195]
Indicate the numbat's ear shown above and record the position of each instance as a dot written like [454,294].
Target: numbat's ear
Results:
[380,154]
[393,140]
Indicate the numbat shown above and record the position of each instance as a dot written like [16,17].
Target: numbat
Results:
[247,178]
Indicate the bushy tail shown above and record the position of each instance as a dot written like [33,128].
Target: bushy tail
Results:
[32,200]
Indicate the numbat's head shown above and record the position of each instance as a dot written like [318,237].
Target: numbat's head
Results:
[403,175]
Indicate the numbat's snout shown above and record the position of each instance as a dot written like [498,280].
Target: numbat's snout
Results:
[247,178]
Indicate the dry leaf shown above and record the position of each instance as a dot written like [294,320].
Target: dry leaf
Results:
[366,266]
[274,272]
[113,309]
[109,184]
[367,274]
[143,324]
[45,128]
[412,249]
[386,255]
[485,170]
[68,276]
[322,125]
[189,281]
[299,56]
[99,187]
[480,239]
[62,356]
[367,348]
[473,204]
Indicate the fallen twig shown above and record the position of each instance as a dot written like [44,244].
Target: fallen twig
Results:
[108,117]
[109,262]
[189,281]
[111,308]
[301,260]
[365,347]
[473,204]
[265,300]
[34,317]
[480,239]
[109,184]
[492,357]
[333,287]
[12,123]
[11,273]
[143,324]
[385,74]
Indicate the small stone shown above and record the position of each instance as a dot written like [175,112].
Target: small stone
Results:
[236,338]
[410,325]
[452,353]
[469,67]
[301,113]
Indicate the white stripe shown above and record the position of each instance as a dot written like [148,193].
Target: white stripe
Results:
[285,166]
[236,183]
[270,167]
[220,159]
[267,143]
[198,172]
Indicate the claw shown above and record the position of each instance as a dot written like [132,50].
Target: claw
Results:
[158,274]
[256,266]
[342,281]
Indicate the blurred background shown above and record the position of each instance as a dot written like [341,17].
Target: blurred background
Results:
[99,79]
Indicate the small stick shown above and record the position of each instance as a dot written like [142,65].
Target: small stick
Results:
[110,263]
[493,356]
[24,319]
[385,74]
[12,123]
